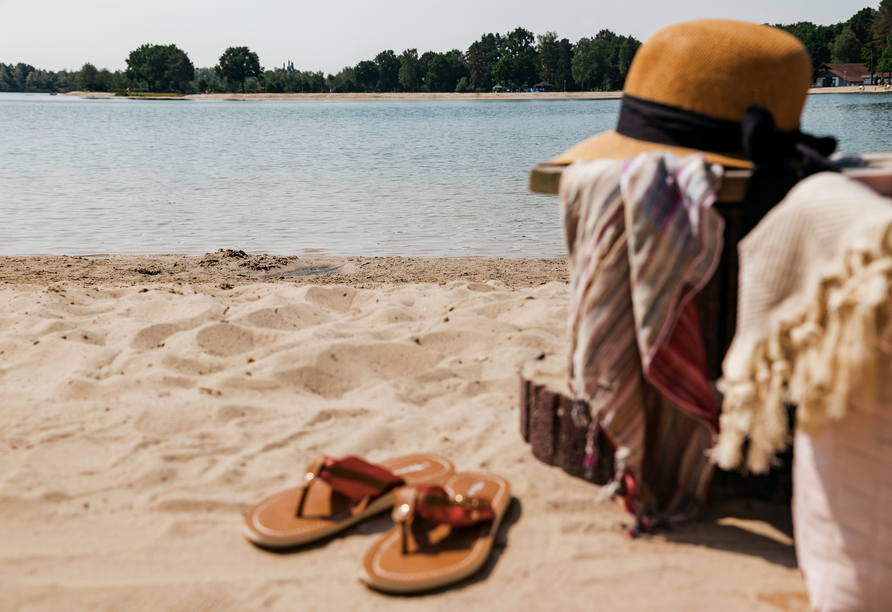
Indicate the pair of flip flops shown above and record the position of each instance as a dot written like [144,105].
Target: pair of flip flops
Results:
[446,523]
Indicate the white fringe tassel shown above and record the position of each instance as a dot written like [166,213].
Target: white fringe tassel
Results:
[820,356]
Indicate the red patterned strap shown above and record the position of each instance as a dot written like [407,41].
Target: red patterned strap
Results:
[357,479]
[352,477]
[435,505]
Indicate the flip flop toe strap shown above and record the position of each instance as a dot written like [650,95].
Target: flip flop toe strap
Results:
[352,477]
[434,505]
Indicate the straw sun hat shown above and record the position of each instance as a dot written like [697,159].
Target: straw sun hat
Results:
[729,89]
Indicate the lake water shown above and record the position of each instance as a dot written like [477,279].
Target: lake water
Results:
[411,178]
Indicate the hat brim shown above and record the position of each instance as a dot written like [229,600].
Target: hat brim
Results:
[612,145]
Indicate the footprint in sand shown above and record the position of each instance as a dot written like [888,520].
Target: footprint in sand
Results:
[331,298]
[343,368]
[160,421]
[225,414]
[154,335]
[286,318]
[227,339]
[69,462]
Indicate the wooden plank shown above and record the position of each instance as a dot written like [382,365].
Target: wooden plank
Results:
[546,178]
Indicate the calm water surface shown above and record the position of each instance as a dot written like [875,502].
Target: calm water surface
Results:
[414,178]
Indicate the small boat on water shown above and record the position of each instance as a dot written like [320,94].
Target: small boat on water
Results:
[54,93]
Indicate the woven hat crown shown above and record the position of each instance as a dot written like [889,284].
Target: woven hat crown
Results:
[719,68]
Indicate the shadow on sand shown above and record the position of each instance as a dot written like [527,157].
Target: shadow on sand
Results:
[743,526]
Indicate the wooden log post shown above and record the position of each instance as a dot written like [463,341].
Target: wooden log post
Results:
[547,423]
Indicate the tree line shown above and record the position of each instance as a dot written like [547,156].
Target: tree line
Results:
[865,38]
[518,59]
[24,77]
[513,60]
[154,68]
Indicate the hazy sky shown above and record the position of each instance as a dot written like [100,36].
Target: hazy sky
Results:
[330,34]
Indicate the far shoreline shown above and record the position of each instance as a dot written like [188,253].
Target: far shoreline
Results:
[423,96]
[368,97]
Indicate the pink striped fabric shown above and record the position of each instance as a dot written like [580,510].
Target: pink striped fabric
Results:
[642,239]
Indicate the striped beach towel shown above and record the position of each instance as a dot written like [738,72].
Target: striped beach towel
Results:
[642,239]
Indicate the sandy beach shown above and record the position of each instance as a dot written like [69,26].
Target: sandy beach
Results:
[147,402]
[853,89]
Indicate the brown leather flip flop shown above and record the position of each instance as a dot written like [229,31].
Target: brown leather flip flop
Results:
[336,494]
[442,534]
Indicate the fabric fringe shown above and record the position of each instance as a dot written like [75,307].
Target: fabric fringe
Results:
[820,355]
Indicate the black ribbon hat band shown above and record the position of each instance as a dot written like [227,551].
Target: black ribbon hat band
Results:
[780,159]
[668,125]
[672,126]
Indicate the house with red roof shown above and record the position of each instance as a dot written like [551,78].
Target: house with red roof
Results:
[839,75]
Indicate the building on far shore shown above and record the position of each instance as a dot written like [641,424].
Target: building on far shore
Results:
[877,78]
[538,87]
[839,75]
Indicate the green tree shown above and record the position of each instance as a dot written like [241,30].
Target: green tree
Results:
[237,64]
[565,66]
[845,48]
[549,56]
[517,64]
[179,69]
[585,62]
[88,78]
[411,73]
[6,81]
[388,71]
[366,75]
[861,24]
[591,66]
[625,55]
[147,63]
[162,67]
[817,39]
[882,26]
[444,70]
[40,80]
[424,61]
[343,81]
[313,82]
[885,62]
[19,75]
[24,77]
[482,55]
[869,58]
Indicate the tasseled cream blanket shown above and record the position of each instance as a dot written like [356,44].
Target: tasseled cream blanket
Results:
[814,309]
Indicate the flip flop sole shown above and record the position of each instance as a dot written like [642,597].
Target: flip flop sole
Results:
[323,531]
[455,557]
[273,522]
